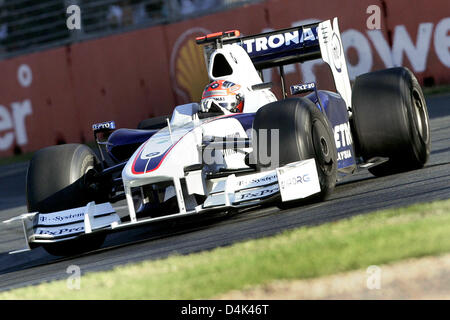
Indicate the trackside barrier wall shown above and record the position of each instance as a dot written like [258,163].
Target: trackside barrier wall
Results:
[55,95]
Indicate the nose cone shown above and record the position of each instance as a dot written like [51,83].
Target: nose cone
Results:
[162,157]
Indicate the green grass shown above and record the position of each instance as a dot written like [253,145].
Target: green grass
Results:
[16,158]
[364,240]
[441,89]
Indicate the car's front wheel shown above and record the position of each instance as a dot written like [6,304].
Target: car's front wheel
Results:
[304,133]
[56,181]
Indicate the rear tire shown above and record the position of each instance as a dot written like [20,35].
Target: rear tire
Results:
[304,133]
[391,120]
[55,182]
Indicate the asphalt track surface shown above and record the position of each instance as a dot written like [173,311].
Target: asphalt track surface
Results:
[359,194]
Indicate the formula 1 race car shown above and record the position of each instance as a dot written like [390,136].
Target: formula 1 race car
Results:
[209,157]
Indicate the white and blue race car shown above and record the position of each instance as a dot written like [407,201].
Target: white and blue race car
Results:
[200,159]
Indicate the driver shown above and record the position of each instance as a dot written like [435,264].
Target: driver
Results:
[222,94]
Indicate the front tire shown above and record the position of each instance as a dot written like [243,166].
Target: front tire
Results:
[304,133]
[55,182]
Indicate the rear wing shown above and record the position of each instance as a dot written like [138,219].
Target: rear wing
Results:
[281,47]
[321,40]
[271,49]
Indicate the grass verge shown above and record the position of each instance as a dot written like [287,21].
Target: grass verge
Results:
[16,158]
[306,252]
[441,89]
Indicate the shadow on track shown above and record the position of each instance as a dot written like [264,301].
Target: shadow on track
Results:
[438,106]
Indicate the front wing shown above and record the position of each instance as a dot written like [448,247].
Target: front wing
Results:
[290,182]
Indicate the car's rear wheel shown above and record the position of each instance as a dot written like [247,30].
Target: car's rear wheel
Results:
[304,133]
[56,180]
[391,120]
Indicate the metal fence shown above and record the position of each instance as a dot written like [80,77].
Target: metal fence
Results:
[31,25]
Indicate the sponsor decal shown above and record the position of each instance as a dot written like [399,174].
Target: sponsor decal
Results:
[75,228]
[344,155]
[298,180]
[249,183]
[151,155]
[141,162]
[342,135]
[44,219]
[71,215]
[302,88]
[336,52]
[59,231]
[109,125]
[287,39]
[220,94]
[343,139]
[256,194]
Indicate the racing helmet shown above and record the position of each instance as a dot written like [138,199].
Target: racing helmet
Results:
[225,94]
